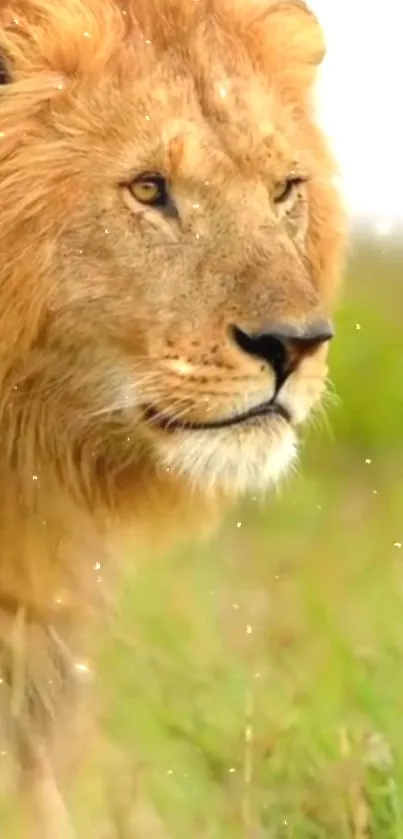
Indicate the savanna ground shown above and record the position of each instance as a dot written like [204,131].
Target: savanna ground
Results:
[255,684]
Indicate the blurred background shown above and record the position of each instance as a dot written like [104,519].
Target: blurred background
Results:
[358,95]
[254,685]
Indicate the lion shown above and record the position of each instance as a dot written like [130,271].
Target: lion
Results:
[171,240]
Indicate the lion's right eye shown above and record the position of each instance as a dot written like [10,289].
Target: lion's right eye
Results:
[151,190]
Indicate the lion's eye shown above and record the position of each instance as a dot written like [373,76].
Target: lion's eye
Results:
[151,190]
[285,189]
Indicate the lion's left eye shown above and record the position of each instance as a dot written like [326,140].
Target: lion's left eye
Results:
[285,189]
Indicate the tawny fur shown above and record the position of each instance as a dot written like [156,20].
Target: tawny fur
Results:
[106,306]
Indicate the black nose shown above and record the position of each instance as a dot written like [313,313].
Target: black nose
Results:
[283,346]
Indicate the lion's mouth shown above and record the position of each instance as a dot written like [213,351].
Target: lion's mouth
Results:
[167,422]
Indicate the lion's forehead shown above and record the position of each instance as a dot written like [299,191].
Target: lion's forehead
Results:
[110,65]
[227,128]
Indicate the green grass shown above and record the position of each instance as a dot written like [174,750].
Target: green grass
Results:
[254,685]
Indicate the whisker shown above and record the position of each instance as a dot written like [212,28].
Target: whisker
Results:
[144,386]
[172,412]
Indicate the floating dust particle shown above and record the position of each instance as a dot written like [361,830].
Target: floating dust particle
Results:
[397,544]
[358,326]
[80,667]
[239,524]
[368,460]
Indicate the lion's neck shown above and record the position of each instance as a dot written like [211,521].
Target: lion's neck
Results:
[59,558]
[60,547]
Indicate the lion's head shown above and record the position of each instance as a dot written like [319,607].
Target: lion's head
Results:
[170,232]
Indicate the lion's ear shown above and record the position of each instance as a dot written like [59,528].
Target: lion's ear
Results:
[289,39]
[298,31]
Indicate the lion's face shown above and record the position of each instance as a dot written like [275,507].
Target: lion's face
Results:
[177,205]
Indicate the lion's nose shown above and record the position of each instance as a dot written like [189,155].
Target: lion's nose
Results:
[283,346]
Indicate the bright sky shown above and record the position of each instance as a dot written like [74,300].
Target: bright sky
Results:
[361,97]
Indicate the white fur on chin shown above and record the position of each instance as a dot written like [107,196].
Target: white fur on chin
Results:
[224,461]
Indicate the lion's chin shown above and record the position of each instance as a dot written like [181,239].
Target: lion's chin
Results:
[232,461]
